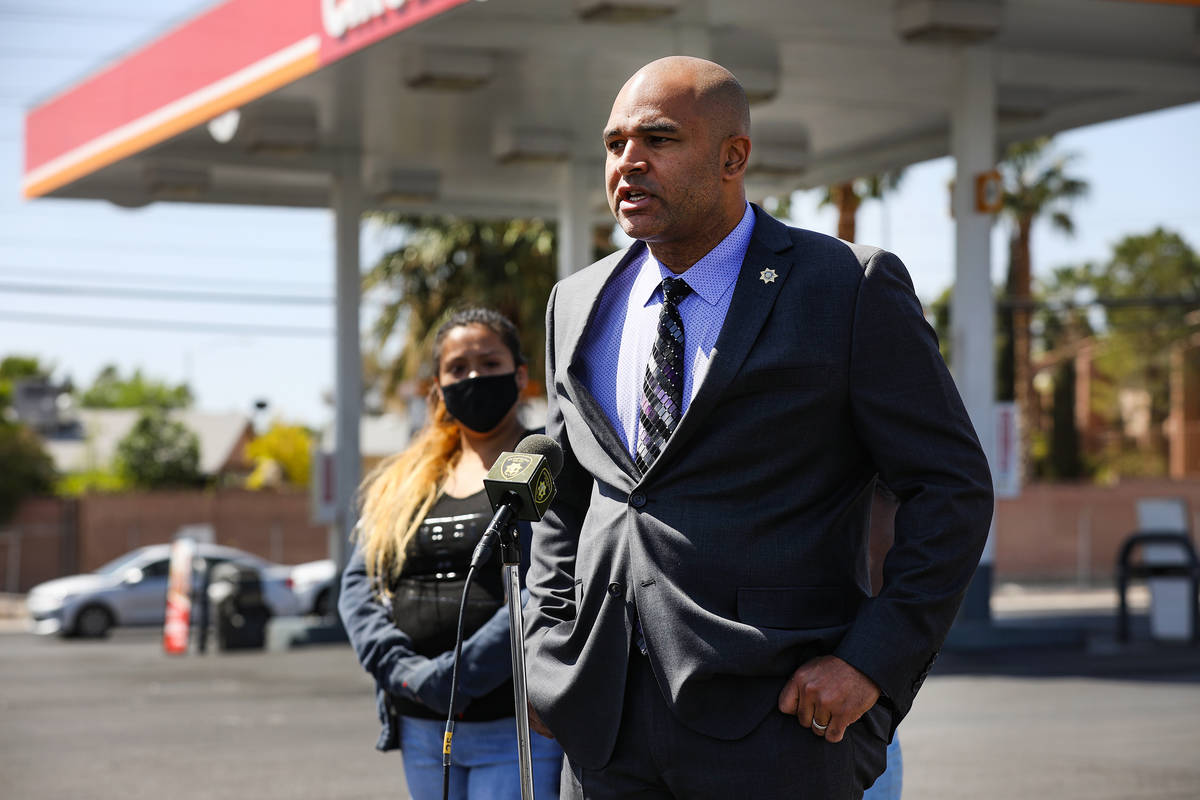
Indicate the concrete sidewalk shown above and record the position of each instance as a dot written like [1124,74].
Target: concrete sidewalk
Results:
[12,612]
[1016,599]
[119,719]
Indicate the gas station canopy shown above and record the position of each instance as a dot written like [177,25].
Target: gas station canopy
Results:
[495,109]
[467,107]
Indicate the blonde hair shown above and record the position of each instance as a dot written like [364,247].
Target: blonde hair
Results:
[396,496]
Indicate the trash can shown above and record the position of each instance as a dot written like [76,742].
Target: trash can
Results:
[1172,602]
[240,615]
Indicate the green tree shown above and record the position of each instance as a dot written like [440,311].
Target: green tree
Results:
[15,368]
[1062,302]
[1065,458]
[282,454]
[111,390]
[1154,283]
[445,263]
[88,481]
[1062,320]
[159,453]
[1037,185]
[938,313]
[25,468]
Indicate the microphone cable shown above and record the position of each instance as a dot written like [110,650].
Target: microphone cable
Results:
[523,493]
[448,736]
[483,553]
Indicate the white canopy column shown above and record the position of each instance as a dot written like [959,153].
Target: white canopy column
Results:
[347,203]
[576,184]
[973,145]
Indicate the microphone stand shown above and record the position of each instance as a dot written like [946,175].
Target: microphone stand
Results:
[510,558]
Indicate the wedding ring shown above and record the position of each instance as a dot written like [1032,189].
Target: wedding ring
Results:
[819,727]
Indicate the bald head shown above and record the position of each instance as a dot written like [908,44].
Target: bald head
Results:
[714,89]
[678,141]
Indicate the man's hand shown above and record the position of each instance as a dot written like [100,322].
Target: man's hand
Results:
[828,692]
[536,725]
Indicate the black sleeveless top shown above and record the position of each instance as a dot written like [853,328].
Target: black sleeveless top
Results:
[428,592]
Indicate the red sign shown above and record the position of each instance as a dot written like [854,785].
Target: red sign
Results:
[350,25]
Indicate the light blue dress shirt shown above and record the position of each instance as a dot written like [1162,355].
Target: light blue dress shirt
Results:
[617,344]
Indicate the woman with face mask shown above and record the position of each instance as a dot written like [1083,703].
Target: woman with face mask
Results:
[423,512]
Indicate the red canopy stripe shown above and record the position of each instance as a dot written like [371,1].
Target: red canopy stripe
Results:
[234,53]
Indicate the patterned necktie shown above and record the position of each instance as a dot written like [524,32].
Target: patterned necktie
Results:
[662,391]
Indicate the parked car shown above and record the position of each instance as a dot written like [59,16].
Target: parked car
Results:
[132,590]
[312,583]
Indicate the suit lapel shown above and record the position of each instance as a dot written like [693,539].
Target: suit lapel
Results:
[585,300]
[759,281]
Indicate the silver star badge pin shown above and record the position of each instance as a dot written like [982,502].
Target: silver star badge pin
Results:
[768,276]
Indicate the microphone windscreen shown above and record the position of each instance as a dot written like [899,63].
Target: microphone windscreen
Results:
[539,444]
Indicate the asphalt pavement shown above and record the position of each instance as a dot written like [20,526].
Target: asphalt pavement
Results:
[119,719]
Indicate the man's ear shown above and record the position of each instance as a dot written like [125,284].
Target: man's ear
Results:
[735,154]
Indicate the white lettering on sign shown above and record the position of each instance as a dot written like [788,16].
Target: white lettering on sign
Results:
[339,16]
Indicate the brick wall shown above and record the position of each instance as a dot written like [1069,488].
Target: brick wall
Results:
[37,544]
[112,524]
[274,525]
[49,537]
[1051,532]
[1056,532]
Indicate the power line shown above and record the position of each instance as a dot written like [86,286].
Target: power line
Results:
[1147,301]
[76,17]
[43,55]
[170,295]
[242,251]
[51,273]
[175,326]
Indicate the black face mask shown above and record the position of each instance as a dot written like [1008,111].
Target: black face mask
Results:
[480,403]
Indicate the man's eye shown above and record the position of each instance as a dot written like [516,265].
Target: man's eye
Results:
[615,146]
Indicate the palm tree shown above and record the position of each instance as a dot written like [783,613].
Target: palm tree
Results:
[445,263]
[1036,185]
[847,196]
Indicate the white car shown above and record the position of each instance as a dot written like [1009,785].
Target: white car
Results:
[312,583]
[132,590]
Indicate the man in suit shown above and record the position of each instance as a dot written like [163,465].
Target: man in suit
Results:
[726,392]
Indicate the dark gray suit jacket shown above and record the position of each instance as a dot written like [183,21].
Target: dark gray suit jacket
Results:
[744,547]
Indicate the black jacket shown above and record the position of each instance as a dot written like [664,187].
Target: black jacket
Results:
[386,652]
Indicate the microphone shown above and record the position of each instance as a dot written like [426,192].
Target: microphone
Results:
[520,485]
[525,478]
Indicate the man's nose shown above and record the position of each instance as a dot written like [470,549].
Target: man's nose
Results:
[631,159]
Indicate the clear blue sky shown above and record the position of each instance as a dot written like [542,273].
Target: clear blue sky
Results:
[1144,172]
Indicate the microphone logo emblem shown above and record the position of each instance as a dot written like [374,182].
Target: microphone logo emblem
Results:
[515,464]
[541,492]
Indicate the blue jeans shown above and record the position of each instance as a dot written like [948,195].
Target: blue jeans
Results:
[485,762]
[888,785]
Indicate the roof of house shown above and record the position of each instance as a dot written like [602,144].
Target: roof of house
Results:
[94,442]
[382,435]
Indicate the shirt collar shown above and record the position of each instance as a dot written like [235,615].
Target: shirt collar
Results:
[711,276]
